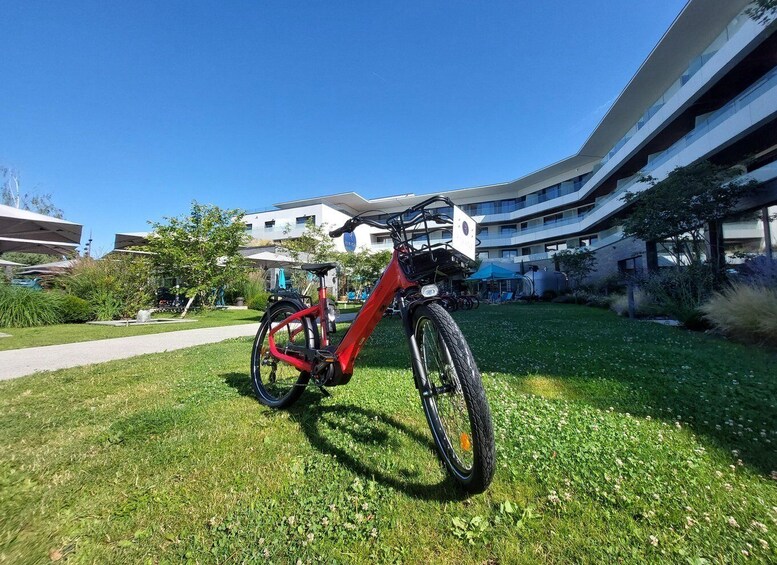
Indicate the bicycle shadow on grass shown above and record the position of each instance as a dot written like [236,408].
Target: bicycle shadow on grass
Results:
[376,446]
[369,443]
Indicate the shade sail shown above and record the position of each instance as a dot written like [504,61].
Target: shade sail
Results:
[23,224]
[270,259]
[124,240]
[48,268]
[36,246]
[492,272]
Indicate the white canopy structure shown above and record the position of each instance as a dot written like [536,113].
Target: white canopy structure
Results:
[130,239]
[48,268]
[4,263]
[268,259]
[22,230]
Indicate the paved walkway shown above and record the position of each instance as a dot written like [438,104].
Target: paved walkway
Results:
[19,362]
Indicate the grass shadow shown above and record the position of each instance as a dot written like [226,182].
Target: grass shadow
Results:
[241,382]
[328,427]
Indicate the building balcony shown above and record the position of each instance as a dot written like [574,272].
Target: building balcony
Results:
[749,110]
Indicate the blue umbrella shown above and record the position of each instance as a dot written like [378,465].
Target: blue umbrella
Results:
[281,278]
[492,272]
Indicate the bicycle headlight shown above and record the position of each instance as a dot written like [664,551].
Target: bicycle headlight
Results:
[429,291]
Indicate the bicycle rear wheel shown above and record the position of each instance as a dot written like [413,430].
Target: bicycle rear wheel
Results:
[279,384]
[453,399]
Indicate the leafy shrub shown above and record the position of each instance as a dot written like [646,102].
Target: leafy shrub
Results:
[75,310]
[643,305]
[611,284]
[681,292]
[565,299]
[760,271]
[258,301]
[598,301]
[126,280]
[23,307]
[106,306]
[745,312]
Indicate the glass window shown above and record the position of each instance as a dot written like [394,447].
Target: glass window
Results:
[525,251]
[552,219]
[509,253]
[270,224]
[560,246]
[302,220]
[249,227]
[588,241]
[508,230]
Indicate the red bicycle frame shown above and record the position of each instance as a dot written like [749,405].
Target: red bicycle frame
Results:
[392,280]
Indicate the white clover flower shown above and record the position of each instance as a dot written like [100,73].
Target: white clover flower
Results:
[653,541]
[759,526]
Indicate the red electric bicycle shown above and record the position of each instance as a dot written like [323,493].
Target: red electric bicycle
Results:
[292,345]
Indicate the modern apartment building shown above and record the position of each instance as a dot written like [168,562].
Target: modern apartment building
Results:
[708,90]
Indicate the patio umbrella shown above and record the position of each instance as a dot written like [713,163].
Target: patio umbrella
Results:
[268,259]
[47,268]
[25,225]
[281,278]
[492,272]
[36,246]
[124,240]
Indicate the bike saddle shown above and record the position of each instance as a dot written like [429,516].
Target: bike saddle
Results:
[318,269]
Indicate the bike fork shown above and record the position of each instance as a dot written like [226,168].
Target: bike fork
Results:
[419,375]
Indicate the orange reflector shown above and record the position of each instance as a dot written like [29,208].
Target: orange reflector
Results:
[466,444]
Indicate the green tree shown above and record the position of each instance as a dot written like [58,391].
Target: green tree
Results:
[678,208]
[762,11]
[577,263]
[201,249]
[314,245]
[363,266]
[11,195]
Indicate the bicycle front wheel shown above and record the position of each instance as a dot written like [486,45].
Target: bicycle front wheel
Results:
[453,399]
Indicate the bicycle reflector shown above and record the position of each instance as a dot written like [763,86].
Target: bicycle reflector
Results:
[429,291]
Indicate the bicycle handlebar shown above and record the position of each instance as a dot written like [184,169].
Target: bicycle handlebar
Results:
[351,224]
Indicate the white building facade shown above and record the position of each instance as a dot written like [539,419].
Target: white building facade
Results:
[708,90]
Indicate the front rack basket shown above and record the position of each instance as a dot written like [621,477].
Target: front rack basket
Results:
[422,256]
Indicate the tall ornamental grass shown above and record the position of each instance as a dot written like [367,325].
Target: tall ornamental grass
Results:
[24,308]
[113,286]
[745,312]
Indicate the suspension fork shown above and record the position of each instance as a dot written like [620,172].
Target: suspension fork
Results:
[419,373]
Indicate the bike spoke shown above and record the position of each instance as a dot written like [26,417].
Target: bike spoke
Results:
[448,400]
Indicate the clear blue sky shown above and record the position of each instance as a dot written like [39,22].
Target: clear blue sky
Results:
[126,111]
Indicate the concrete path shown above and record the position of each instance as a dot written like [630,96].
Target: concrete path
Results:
[19,362]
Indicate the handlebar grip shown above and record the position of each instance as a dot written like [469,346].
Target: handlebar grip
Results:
[337,233]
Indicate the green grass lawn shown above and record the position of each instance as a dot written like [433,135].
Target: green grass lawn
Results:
[617,441]
[71,333]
